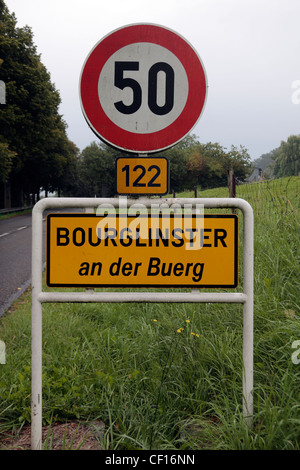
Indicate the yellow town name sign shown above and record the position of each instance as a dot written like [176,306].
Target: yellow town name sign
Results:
[87,250]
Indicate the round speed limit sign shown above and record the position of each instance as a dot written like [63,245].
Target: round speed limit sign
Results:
[142,88]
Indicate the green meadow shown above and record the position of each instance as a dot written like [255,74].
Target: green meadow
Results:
[169,376]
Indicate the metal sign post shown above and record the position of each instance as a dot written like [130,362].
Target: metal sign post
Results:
[39,297]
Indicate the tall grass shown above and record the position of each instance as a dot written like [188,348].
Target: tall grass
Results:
[169,376]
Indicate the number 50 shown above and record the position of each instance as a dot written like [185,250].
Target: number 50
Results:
[122,82]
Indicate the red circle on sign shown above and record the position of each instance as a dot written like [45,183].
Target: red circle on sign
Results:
[113,134]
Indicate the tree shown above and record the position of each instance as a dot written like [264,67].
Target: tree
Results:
[30,122]
[287,157]
[209,164]
[97,170]
[178,156]
[239,160]
[71,184]
[205,165]
[6,161]
[59,169]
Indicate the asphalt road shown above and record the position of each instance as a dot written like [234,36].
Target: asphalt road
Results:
[15,256]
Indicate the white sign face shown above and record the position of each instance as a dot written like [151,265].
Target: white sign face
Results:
[146,93]
[142,88]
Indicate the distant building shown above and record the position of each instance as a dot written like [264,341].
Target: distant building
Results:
[256,175]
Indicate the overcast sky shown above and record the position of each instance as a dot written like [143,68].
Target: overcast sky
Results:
[250,50]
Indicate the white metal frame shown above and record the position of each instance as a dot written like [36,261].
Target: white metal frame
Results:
[39,297]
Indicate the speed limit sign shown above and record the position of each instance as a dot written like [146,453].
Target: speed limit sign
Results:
[142,88]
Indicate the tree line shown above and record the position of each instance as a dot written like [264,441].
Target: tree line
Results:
[192,164]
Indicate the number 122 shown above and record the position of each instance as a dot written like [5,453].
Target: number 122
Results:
[136,183]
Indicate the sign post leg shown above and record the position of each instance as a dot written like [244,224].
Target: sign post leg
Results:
[248,363]
[36,331]
[248,315]
[36,374]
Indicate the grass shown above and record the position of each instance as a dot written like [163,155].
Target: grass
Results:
[168,376]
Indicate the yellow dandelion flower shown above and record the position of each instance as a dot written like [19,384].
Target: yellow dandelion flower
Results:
[179,330]
[195,334]
[188,320]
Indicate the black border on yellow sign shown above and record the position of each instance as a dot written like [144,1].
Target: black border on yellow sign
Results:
[142,193]
[128,285]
